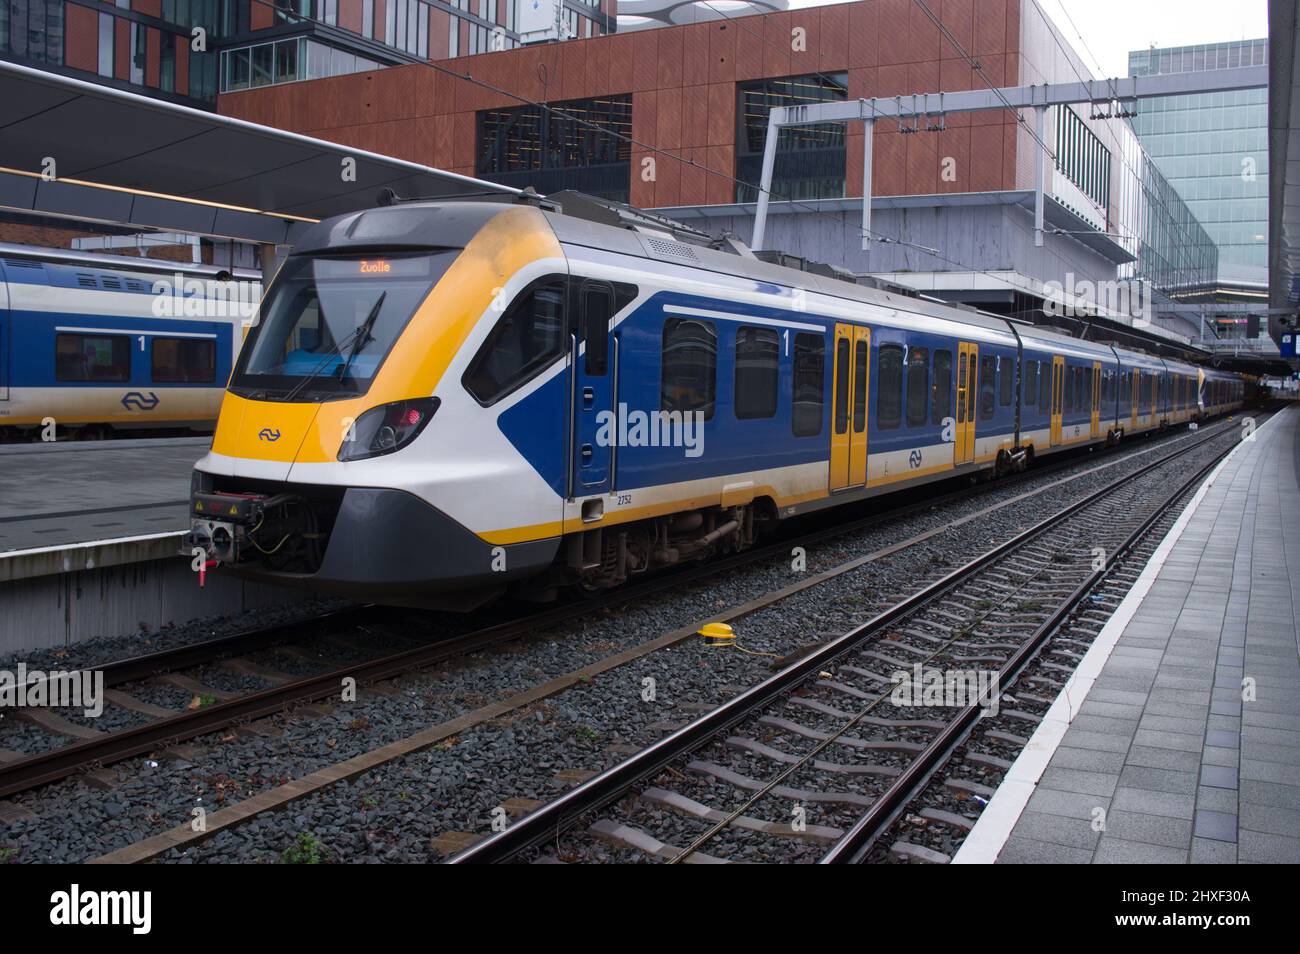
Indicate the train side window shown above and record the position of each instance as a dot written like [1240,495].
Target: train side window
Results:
[889,385]
[184,360]
[1006,382]
[988,386]
[1067,399]
[597,310]
[756,372]
[1045,388]
[961,396]
[842,386]
[861,358]
[689,379]
[807,383]
[1031,382]
[527,338]
[941,388]
[92,358]
[918,385]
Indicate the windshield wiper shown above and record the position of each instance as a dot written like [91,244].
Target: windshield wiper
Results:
[335,351]
[363,336]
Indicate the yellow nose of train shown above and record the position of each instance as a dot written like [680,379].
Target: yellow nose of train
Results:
[313,431]
[349,362]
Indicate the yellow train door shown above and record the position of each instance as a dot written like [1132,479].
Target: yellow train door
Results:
[1058,389]
[967,384]
[1137,383]
[858,425]
[1096,400]
[849,412]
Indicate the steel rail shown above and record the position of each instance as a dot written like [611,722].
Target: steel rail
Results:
[858,841]
[550,819]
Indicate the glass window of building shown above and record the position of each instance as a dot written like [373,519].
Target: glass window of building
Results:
[810,160]
[1082,158]
[1210,150]
[32,30]
[578,144]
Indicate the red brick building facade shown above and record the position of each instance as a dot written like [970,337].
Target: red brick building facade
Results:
[682,81]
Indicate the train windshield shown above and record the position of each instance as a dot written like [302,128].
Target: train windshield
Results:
[328,322]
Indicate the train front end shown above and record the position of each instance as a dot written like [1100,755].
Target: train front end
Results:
[345,457]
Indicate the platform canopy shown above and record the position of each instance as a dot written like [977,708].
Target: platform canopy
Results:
[131,160]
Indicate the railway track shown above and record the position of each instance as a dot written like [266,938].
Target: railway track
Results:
[164,731]
[828,739]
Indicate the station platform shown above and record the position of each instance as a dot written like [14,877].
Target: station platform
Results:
[101,502]
[1154,752]
[91,538]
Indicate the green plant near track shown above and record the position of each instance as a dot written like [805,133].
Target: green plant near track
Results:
[306,849]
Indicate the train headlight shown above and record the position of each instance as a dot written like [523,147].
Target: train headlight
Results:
[387,428]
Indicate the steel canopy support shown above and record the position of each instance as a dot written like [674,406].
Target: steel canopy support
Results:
[775,118]
[868,140]
[1040,157]
[1112,95]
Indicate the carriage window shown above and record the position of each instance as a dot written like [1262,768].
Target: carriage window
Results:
[965,385]
[988,386]
[1006,382]
[756,373]
[527,339]
[1067,399]
[597,310]
[889,381]
[842,386]
[941,389]
[1045,388]
[861,359]
[690,366]
[809,378]
[1031,382]
[92,358]
[184,360]
[918,385]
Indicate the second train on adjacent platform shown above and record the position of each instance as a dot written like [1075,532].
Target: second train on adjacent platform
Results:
[441,401]
[93,345]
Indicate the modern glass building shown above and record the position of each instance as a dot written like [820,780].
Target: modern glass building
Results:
[1213,150]
[150,46]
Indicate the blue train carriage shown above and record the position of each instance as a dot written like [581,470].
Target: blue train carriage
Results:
[1068,392]
[1139,408]
[1218,391]
[1181,391]
[548,398]
[810,391]
[103,343]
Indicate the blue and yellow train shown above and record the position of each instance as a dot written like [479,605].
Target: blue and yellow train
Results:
[443,400]
[92,345]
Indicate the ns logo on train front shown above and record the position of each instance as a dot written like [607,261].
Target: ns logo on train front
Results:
[443,401]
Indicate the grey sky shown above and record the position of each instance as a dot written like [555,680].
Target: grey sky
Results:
[1110,28]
